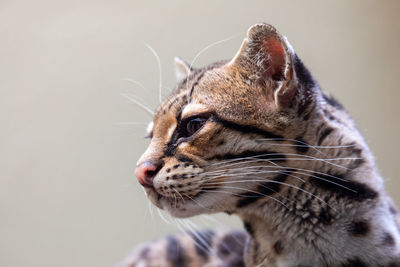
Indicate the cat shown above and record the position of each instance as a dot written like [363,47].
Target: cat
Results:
[256,137]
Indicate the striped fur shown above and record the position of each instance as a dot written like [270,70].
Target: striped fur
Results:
[256,137]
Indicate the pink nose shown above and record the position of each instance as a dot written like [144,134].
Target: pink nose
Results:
[146,171]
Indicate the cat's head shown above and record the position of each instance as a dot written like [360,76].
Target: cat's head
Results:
[216,136]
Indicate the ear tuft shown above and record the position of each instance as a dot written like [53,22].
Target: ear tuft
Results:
[268,58]
[269,52]
[182,69]
[260,28]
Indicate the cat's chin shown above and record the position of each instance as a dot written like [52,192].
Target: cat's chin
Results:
[181,209]
[176,207]
[183,212]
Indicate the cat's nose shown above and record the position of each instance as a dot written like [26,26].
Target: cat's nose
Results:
[146,171]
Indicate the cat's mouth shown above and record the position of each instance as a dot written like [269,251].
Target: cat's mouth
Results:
[178,205]
[160,199]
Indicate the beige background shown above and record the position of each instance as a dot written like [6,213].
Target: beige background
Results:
[68,195]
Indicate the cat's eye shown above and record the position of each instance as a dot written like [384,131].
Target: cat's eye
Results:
[194,125]
[191,125]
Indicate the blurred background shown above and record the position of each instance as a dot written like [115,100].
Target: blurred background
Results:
[69,140]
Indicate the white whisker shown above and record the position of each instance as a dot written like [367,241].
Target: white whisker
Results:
[144,107]
[208,47]
[159,68]
[195,202]
[272,181]
[201,52]
[179,194]
[241,195]
[131,123]
[162,217]
[134,81]
[180,225]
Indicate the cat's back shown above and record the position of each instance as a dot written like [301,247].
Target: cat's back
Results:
[204,248]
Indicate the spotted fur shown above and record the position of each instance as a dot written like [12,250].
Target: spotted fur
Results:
[275,150]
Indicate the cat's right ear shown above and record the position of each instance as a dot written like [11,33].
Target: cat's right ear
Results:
[266,57]
[182,69]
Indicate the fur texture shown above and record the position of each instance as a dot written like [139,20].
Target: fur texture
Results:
[256,137]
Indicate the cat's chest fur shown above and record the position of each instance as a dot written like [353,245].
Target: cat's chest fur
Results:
[256,137]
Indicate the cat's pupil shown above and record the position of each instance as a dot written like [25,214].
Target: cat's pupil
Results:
[194,125]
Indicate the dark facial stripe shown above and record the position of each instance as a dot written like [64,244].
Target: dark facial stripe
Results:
[301,146]
[354,263]
[255,247]
[388,240]
[194,84]
[203,242]
[359,228]
[343,188]
[183,158]
[246,129]
[175,253]
[324,134]
[248,228]
[265,154]
[201,74]
[264,189]
[395,263]
[171,145]
[278,247]
[302,73]
[332,101]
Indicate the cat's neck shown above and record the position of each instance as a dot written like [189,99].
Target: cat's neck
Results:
[304,223]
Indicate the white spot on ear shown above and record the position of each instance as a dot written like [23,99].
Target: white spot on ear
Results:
[277,92]
[182,69]
[289,46]
[149,127]
[193,109]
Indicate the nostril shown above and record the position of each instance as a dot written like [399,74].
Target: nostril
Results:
[146,171]
[150,173]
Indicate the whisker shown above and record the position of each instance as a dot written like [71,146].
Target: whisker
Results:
[201,52]
[304,144]
[135,82]
[179,194]
[195,202]
[181,226]
[194,229]
[272,181]
[209,46]
[240,195]
[256,192]
[159,68]
[302,157]
[144,107]
[279,167]
[254,172]
[162,216]
[131,123]
[316,177]
[151,210]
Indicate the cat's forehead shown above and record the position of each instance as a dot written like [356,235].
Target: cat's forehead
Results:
[213,89]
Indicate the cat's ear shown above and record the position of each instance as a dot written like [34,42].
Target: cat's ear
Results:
[182,69]
[267,57]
